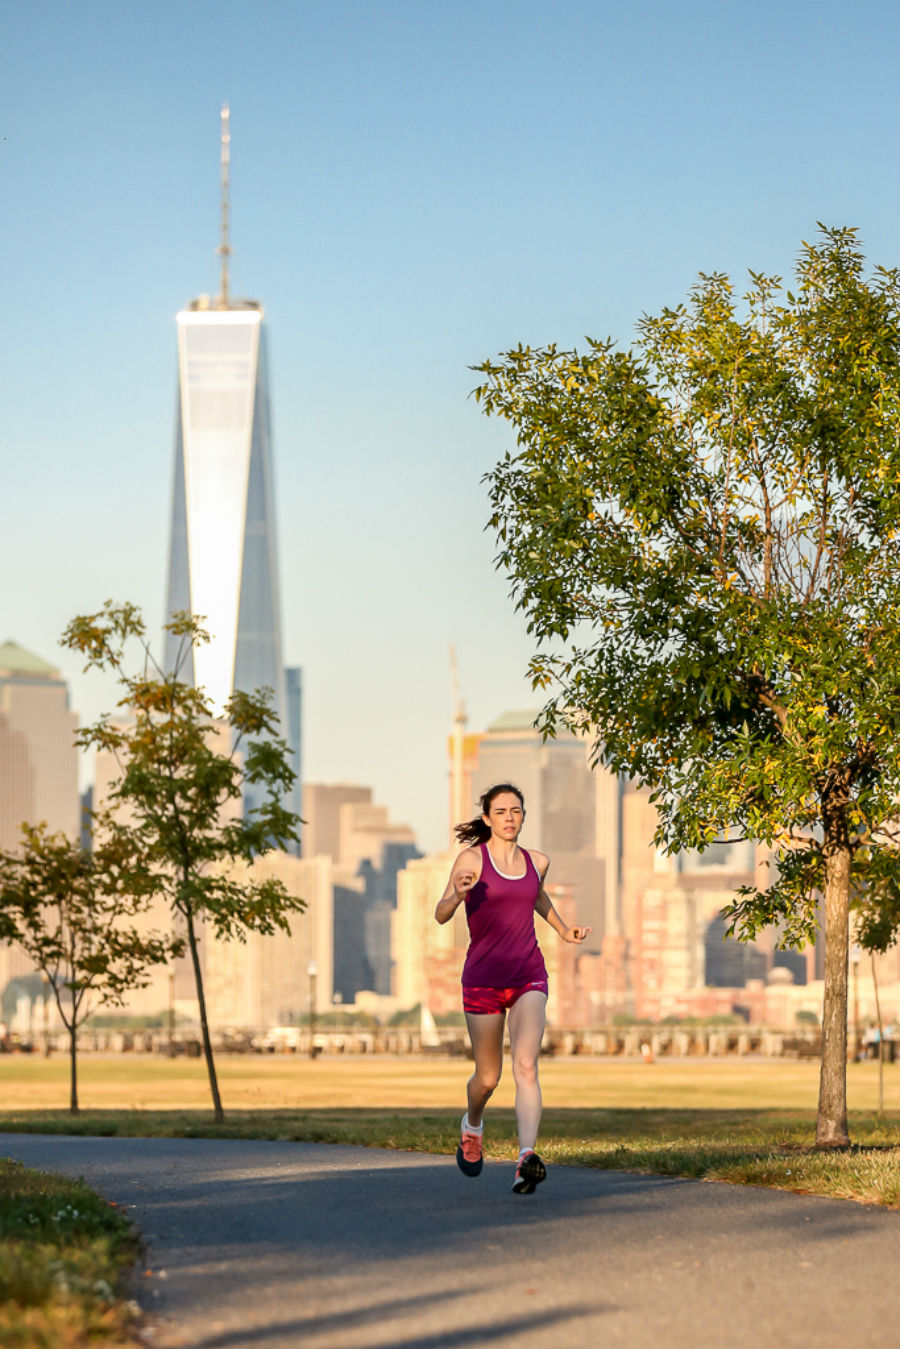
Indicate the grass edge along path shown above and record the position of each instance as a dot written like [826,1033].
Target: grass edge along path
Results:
[766,1147]
[65,1257]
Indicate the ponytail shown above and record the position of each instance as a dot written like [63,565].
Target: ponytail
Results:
[475,831]
[472,832]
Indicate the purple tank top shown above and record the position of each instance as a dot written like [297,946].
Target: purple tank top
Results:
[503,949]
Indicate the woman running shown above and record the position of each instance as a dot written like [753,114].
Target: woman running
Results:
[502,887]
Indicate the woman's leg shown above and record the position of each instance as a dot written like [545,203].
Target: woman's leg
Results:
[526,1028]
[486,1034]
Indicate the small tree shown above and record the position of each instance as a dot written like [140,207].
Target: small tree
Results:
[179,793]
[702,533]
[72,912]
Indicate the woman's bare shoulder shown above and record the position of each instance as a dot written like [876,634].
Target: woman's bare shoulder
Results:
[540,859]
[468,860]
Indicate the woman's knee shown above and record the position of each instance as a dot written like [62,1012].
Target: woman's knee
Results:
[486,1079]
[525,1067]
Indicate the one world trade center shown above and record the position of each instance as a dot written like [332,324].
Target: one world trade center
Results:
[223,561]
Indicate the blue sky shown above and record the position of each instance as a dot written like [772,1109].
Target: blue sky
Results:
[415,187]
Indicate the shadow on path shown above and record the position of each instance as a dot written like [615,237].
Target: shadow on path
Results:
[300,1329]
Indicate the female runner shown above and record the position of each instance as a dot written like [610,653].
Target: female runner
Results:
[502,887]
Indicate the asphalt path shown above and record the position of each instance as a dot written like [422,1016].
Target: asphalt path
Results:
[259,1245]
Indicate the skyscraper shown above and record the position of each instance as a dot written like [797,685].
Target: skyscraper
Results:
[38,766]
[38,755]
[571,809]
[223,562]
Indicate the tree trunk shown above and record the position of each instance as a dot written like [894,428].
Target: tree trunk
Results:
[219,1113]
[831,1123]
[880,1038]
[73,1069]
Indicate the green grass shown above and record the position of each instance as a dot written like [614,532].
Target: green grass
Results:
[748,1146]
[64,1253]
[256,1082]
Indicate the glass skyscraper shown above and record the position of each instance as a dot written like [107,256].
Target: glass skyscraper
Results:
[223,561]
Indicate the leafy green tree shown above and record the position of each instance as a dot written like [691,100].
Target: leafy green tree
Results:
[72,912]
[701,532]
[183,769]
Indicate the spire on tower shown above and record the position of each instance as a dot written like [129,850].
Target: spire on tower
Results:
[224,249]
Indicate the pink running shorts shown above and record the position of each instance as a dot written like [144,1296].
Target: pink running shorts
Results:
[492,1001]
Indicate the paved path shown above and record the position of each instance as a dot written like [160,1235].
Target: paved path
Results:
[256,1245]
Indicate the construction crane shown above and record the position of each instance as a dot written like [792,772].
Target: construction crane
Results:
[457,802]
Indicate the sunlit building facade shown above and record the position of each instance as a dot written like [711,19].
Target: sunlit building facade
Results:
[38,784]
[223,561]
[38,755]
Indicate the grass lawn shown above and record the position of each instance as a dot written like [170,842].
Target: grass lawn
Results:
[257,1082]
[742,1120]
[63,1254]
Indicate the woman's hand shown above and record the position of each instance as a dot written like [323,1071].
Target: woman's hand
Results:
[576,934]
[463,876]
[462,884]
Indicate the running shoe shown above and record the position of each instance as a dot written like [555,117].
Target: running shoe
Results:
[470,1153]
[529,1174]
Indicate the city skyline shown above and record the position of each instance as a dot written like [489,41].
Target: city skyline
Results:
[414,191]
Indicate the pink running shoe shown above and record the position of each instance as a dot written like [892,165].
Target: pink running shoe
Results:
[470,1153]
[529,1174]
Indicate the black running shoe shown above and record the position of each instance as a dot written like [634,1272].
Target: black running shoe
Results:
[470,1153]
[529,1174]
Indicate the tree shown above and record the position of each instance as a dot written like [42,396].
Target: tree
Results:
[72,912]
[702,534]
[184,767]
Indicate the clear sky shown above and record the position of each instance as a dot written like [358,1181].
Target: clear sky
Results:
[415,187]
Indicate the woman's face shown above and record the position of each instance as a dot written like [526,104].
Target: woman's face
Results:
[506,817]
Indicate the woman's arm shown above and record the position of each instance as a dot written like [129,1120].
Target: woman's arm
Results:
[466,871]
[544,906]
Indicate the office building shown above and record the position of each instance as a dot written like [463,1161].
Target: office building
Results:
[223,557]
[428,956]
[270,981]
[38,755]
[368,849]
[571,811]
[223,563]
[322,805]
[38,762]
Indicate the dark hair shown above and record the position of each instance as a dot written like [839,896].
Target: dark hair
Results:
[476,831]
